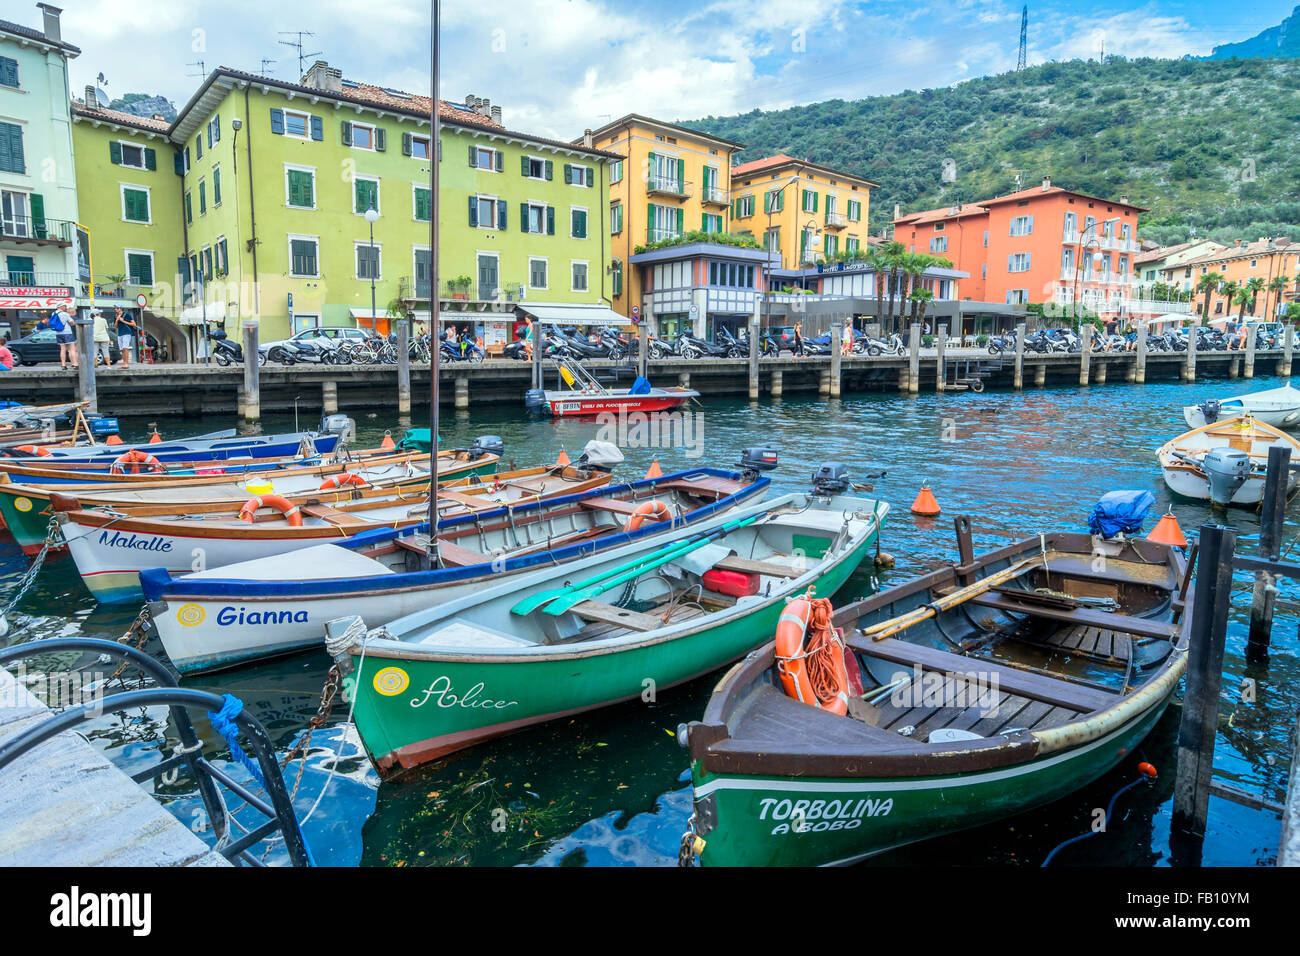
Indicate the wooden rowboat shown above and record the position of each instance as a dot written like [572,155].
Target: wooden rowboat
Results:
[1224,462]
[604,629]
[986,689]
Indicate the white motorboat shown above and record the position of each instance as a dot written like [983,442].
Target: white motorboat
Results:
[1279,407]
[1224,462]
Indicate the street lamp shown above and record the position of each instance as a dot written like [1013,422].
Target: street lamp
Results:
[1093,243]
[767,239]
[371,215]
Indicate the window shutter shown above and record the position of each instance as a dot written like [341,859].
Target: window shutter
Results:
[216,187]
[681,179]
[501,161]
[501,214]
[473,210]
[591,176]
[115,153]
[277,122]
[650,224]
[523,217]
[523,165]
[216,131]
[472,157]
[37,202]
[9,73]
[567,167]
[550,170]
[150,159]
[345,132]
[767,202]
[406,144]
[550,220]
[680,218]
[381,140]
[317,129]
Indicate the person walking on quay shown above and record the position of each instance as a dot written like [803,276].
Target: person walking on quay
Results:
[103,344]
[846,347]
[124,326]
[798,338]
[65,335]
[6,357]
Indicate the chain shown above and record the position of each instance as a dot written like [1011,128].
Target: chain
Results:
[686,853]
[52,535]
[327,695]
[140,628]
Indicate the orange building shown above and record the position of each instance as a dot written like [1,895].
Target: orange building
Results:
[1042,245]
[1265,259]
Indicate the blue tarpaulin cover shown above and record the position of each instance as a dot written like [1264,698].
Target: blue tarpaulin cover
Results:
[1118,511]
[640,387]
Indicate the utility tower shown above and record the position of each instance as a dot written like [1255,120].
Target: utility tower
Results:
[1024,36]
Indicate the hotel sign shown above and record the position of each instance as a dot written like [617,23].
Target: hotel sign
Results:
[36,298]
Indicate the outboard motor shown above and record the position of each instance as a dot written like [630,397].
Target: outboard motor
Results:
[754,460]
[832,478]
[1227,470]
[534,398]
[599,456]
[340,425]
[486,445]
[1210,409]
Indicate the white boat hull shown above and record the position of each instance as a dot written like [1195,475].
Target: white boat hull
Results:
[1279,407]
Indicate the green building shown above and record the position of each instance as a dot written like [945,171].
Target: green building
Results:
[277,178]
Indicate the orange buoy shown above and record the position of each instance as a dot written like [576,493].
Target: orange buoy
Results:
[1167,531]
[562,460]
[655,471]
[155,438]
[1147,770]
[388,444]
[925,503]
[113,440]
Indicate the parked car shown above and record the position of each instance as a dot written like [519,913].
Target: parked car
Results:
[41,346]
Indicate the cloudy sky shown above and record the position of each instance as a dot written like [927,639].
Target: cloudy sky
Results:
[558,66]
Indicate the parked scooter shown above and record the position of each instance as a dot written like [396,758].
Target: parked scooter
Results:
[464,349]
[293,353]
[693,347]
[226,352]
[661,348]
[874,346]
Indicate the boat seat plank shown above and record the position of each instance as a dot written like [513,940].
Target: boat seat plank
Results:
[340,519]
[613,614]
[474,502]
[454,555]
[714,487]
[1143,627]
[771,715]
[776,569]
[1012,681]
[614,505]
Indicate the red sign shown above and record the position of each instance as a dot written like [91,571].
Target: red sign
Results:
[34,297]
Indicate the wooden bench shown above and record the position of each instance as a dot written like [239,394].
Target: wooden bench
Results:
[776,569]
[339,519]
[614,505]
[612,614]
[1050,690]
[1125,623]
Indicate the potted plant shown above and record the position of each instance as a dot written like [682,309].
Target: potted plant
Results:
[460,287]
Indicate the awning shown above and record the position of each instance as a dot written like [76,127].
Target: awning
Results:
[572,313]
[467,318]
[195,314]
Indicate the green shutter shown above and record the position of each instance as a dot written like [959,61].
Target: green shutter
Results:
[345,133]
[650,223]
[523,217]
[814,202]
[150,159]
[473,157]
[550,220]
[591,176]
[216,187]
[550,170]
[473,210]
[381,140]
[680,218]
[681,182]
[406,144]
[523,165]
[115,153]
[37,205]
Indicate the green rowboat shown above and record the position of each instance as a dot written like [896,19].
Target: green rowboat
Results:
[986,688]
[610,628]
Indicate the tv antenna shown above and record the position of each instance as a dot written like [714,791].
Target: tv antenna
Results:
[199,63]
[1024,37]
[265,64]
[298,45]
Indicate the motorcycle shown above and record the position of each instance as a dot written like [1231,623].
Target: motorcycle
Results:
[292,353]
[692,347]
[465,349]
[226,352]
[661,348]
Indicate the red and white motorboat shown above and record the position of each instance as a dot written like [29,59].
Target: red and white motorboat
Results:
[586,396]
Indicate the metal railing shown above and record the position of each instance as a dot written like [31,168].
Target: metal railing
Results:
[667,186]
[715,195]
[39,230]
[657,234]
[26,277]
[836,220]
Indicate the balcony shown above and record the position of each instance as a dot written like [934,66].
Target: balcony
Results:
[836,220]
[414,291]
[669,186]
[42,280]
[658,235]
[24,230]
[713,196]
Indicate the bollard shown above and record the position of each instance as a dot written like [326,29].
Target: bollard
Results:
[403,366]
[1248,370]
[252,406]
[1140,367]
[837,337]
[462,392]
[1019,378]
[753,361]
[940,340]
[914,358]
[1272,514]
[85,338]
[1189,369]
[329,397]
[1200,718]
[1085,356]
[778,383]
[1288,340]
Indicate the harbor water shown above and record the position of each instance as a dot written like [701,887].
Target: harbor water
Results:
[611,787]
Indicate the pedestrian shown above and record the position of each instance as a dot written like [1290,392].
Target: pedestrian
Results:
[798,338]
[6,357]
[103,345]
[847,347]
[64,334]
[124,326]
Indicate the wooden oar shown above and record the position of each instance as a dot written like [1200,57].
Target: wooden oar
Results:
[884,629]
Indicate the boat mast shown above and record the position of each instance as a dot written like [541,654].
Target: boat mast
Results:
[435,339]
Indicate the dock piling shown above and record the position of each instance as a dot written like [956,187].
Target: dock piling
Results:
[86,362]
[940,341]
[778,383]
[1272,514]
[329,397]
[914,357]
[1019,380]
[1248,367]
[1085,355]
[837,338]
[753,360]
[1140,366]
[1288,343]
[1040,375]
[403,367]
[462,393]
[1200,718]
[251,407]
[1099,376]
[1189,369]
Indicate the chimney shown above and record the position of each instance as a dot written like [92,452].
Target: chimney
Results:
[52,30]
[483,107]
[159,117]
[496,115]
[321,76]
[91,99]
[469,100]
[1047,183]
[898,211]
[1237,243]
[586,138]
[1123,200]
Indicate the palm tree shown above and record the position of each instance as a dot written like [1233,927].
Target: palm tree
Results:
[1209,282]
[893,253]
[876,262]
[913,266]
[1277,286]
[1241,296]
[920,298]
[1254,287]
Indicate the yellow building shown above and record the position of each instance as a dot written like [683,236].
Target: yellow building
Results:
[672,182]
[800,209]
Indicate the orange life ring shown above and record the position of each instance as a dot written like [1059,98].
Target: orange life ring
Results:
[816,675]
[132,460]
[653,510]
[338,481]
[38,450]
[283,505]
